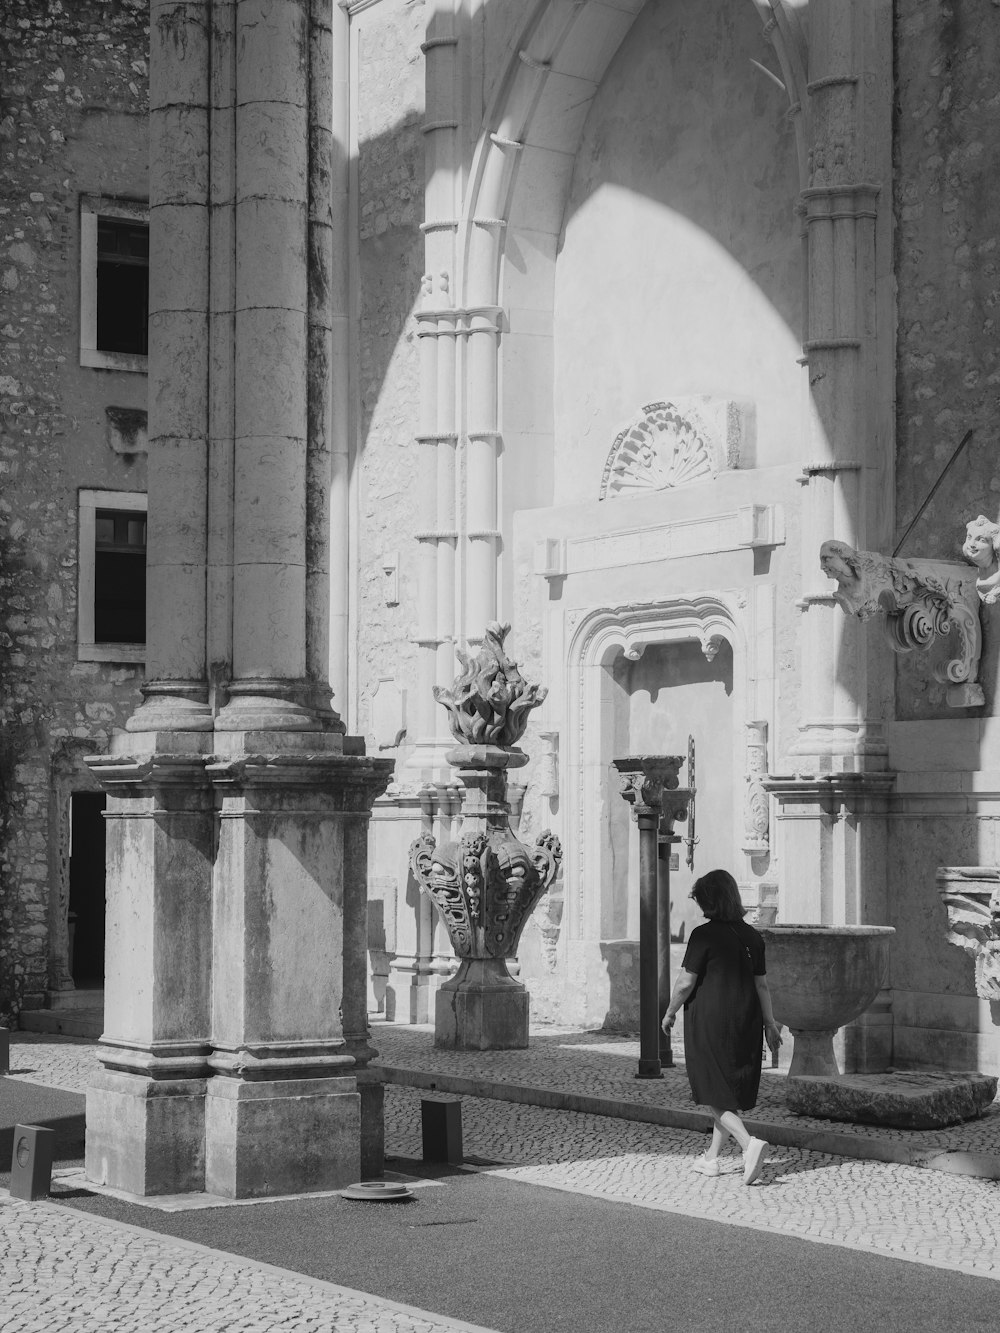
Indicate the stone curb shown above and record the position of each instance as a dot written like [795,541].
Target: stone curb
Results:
[835,1143]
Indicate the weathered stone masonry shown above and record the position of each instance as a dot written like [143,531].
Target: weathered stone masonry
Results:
[72,121]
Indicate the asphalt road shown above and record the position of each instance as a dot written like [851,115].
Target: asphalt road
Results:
[526,1259]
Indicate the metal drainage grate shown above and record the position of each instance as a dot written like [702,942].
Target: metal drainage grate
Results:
[381,1191]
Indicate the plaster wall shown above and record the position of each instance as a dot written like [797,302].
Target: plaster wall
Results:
[679,264]
[72,121]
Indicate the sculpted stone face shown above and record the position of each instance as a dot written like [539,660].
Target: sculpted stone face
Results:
[980,542]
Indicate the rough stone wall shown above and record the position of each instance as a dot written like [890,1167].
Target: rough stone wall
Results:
[947,161]
[390,189]
[72,120]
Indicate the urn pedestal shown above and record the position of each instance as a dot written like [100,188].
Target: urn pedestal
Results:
[486,883]
[482,1008]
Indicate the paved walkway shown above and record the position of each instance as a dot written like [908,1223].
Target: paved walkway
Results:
[67,1271]
[593,1072]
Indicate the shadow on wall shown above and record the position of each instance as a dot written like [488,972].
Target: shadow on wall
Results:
[621,959]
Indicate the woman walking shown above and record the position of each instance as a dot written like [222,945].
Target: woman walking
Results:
[727,1013]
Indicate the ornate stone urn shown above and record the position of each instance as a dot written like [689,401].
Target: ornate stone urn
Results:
[486,883]
[820,978]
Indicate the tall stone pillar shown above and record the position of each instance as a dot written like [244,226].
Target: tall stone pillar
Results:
[234,907]
[849,345]
[832,819]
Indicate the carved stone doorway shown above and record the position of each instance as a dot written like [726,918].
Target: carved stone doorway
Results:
[672,691]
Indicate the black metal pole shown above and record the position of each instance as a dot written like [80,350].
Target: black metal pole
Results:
[649,1020]
[665,845]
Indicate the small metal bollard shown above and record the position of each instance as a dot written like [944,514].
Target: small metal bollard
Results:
[441,1127]
[4,1051]
[31,1162]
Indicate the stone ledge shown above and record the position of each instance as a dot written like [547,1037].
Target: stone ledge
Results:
[919,1099]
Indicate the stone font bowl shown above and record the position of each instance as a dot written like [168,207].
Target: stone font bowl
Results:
[820,978]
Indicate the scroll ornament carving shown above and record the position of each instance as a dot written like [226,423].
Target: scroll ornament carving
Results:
[650,784]
[922,600]
[661,447]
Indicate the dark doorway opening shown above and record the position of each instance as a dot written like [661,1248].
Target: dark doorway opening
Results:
[87,869]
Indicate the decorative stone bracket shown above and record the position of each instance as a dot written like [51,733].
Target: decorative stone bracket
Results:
[972,896]
[922,600]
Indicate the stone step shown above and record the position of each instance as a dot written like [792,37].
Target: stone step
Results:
[84,998]
[64,1022]
[902,1099]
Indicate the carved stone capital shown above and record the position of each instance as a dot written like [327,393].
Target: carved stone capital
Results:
[644,780]
[922,600]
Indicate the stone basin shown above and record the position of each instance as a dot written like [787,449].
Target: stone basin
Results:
[820,978]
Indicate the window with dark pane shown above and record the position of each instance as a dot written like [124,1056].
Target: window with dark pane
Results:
[122,285]
[120,576]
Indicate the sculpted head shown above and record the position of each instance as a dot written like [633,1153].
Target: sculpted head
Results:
[982,539]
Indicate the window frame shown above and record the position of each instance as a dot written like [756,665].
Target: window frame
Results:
[93,206]
[87,650]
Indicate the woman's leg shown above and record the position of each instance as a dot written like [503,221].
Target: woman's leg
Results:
[728,1122]
[719,1136]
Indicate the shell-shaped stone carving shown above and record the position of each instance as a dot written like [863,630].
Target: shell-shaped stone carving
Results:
[660,448]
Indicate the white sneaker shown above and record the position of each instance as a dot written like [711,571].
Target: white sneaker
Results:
[706,1166]
[753,1160]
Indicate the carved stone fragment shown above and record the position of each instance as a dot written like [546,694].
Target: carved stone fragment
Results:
[922,600]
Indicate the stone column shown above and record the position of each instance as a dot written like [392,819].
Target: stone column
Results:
[233,940]
[849,344]
[832,796]
[176,694]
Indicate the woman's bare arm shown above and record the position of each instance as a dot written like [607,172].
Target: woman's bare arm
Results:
[683,986]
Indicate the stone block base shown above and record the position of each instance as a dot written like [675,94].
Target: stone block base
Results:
[146,1136]
[291,1136]
[471,1017]
[917,1100]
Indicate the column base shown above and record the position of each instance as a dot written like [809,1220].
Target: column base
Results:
[146,1136]
[282,1136]
[481,1009]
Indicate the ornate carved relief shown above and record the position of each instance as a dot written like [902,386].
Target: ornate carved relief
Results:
[922,600]
[972,896]
[671,444]
[756,810]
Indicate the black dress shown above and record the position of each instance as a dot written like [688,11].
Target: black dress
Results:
[723,1023]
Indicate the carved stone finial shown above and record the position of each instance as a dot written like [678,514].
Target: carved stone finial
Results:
[981,548]
[922,600]
[490,700]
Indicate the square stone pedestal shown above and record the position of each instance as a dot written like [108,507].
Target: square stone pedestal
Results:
[282,1136]
[144,1135]
[475,1013]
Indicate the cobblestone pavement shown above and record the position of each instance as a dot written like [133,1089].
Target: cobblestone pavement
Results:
[65,1272]
[72,1272]
[594,1064]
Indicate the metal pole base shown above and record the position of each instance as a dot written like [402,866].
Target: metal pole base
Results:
[649,1069]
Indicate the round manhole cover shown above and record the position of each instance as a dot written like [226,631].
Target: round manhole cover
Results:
[382,1191]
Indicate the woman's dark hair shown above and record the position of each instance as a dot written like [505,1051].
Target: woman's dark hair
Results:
[718,897]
